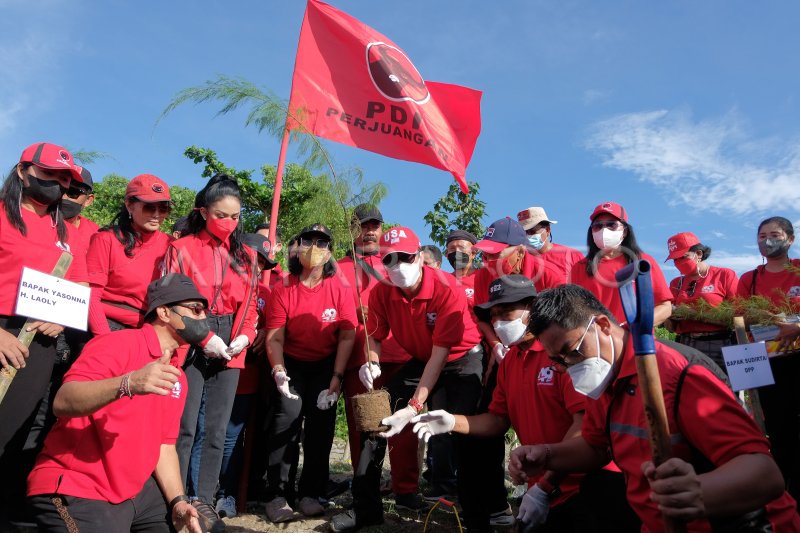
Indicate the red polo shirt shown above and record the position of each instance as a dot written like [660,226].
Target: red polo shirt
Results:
[38,249]
[560,259]
[541,273]
[109,454]
[391,351]
[604,286]
[467,284]
[312,317]
[777,286]
[117,278]
[539,401]
[438,315]
[718,285]
[208,262]
[81,234]
[710,419]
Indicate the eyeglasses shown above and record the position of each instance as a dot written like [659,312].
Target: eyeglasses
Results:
[322,244]
[76,192]
[155,208]
[575,353]
[398,257]
[691,288]
[613,225]
[196,309]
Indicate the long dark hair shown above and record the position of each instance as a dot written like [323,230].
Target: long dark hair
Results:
[10,195]
[629,242]
[218,187]
[123,229]
[784,223]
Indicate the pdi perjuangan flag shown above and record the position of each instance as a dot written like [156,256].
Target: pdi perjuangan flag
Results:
[353,85]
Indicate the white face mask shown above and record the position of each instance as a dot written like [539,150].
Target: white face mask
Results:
[510,332]
[405,275]
[591,376]
[607,239]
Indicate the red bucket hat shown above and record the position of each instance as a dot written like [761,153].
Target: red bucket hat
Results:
[52,156]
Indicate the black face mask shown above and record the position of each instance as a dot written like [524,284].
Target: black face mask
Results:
[194,329]
[45,192]
[772,248]
[70,209]
[459,260]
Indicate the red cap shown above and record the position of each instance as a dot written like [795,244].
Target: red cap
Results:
[612,209]
[47,155]
[148,188]
[679,244]
[399,239]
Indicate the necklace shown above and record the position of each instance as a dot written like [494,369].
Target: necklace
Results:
[703,276]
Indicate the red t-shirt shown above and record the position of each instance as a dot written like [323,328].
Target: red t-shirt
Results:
[312,317]
[438,315]
[228,291]
[391,351]
[542,273]
[467,284]
[109,454]
[539,401]
[777,286]
[115,277]
[710,419]
[80,236]
[718,285]
[561,259]
[604,286]
[38,249]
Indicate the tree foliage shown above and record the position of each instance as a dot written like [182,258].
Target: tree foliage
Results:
[456,210]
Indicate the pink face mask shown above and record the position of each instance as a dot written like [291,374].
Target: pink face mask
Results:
[221,228]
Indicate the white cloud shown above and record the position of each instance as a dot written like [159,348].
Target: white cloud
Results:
[590,96]
[709,164]
[718,234]
[740,263]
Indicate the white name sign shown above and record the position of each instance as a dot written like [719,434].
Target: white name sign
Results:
[748,366]
[51,299]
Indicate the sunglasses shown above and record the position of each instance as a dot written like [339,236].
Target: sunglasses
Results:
[76,192]
[322,244]
[155,208]
[196,309]
[691,288]
[613,225]
[398,257]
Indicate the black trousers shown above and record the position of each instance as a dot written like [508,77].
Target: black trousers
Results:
[293,418]
[144,513]
[457,391]
[711,347]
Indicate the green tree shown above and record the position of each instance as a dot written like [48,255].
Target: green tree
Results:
[456,210]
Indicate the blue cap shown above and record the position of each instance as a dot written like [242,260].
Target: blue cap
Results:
[500,235]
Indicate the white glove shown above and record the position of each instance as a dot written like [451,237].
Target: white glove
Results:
[238,344]
[368,373]
[534,507]
[325,401]
[499,351]
[433,423]
[397,421]
[216,348]
[282,381]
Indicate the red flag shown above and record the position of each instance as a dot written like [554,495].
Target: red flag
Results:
[355,86]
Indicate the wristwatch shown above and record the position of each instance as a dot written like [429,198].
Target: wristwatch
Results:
[552,491]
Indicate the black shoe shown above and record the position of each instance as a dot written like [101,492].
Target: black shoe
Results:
[411,501]
[209,519]
[434,495]
[335,488]
[347,522]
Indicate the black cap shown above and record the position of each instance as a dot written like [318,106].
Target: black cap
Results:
[366,212]
[505,290]
[316,228]
[86,184]
[170,289]
[261,246]
[460,235]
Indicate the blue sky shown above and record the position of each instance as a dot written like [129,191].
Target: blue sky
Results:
[685,112]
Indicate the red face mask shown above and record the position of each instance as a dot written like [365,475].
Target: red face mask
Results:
[686,265]
[221,228]
[502,266]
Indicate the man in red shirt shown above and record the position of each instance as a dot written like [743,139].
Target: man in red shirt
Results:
[363,272]
[532,397]
[431,321]
[556,257]
[721,467]
[459,247]
[110,462]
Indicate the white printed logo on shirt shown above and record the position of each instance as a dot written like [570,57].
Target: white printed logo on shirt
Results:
[794,292]
[708,288]
[431,317]
[329,315]
[470,293]
[176,390]
[260,305]
[546,375]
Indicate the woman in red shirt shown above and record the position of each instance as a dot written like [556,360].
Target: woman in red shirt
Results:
[125,257]
[779,281]
[225,272]
[700,281]
[612,245]
[311,328]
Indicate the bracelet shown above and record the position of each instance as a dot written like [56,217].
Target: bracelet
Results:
[339,375]
[278,368]
[124,386]
[177,499]
[415,405]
